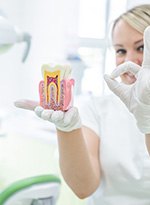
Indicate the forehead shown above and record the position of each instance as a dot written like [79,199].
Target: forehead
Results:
[124,33]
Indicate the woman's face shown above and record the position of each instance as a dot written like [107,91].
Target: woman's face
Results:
[128,45]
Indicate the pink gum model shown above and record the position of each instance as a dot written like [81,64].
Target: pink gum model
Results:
[56,97]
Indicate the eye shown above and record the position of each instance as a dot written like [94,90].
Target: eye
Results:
[120,52]
[140,48]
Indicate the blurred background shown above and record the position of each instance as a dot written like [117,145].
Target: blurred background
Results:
[74,31]
[60,30]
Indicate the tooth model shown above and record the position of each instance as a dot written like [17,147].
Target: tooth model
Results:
[56,88]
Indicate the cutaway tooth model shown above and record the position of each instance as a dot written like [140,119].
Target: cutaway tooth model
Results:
[56,88]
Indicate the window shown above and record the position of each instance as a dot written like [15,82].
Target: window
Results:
[94,19]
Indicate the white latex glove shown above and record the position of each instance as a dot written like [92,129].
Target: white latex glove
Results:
[65,121]
[136,96]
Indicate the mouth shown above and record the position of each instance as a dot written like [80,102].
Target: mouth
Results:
[128,78]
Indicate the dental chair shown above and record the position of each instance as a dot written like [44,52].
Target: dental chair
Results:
[37,190]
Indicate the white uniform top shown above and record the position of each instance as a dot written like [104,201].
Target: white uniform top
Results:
[124,158]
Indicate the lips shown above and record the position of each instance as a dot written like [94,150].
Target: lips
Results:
[129,78]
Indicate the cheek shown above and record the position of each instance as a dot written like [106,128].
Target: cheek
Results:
[119,60]
[140,60]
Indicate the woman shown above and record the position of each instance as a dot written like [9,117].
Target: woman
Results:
[105,157]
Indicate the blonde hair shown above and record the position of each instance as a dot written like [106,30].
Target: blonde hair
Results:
[137,17]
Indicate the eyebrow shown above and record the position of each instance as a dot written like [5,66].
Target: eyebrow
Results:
[120,45]
[139,41]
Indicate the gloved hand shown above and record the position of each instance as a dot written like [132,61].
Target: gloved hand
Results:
[65,121]
[137,95]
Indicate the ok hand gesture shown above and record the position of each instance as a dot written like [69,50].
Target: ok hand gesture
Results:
[137,95]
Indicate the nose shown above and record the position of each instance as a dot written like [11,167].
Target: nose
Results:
[133,57]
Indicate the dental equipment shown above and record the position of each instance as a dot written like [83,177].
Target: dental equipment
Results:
[37,190]
[10,35]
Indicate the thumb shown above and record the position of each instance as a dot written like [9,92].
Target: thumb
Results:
[26,104]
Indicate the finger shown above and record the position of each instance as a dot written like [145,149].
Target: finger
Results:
[116,87]
[57,116]
[38,110]
[70,114]
[46,114]
[146,55]
[26,104]
[125,67]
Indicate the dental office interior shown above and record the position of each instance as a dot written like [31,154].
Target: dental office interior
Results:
[33,33]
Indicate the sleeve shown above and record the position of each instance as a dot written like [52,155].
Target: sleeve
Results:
[89,115]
